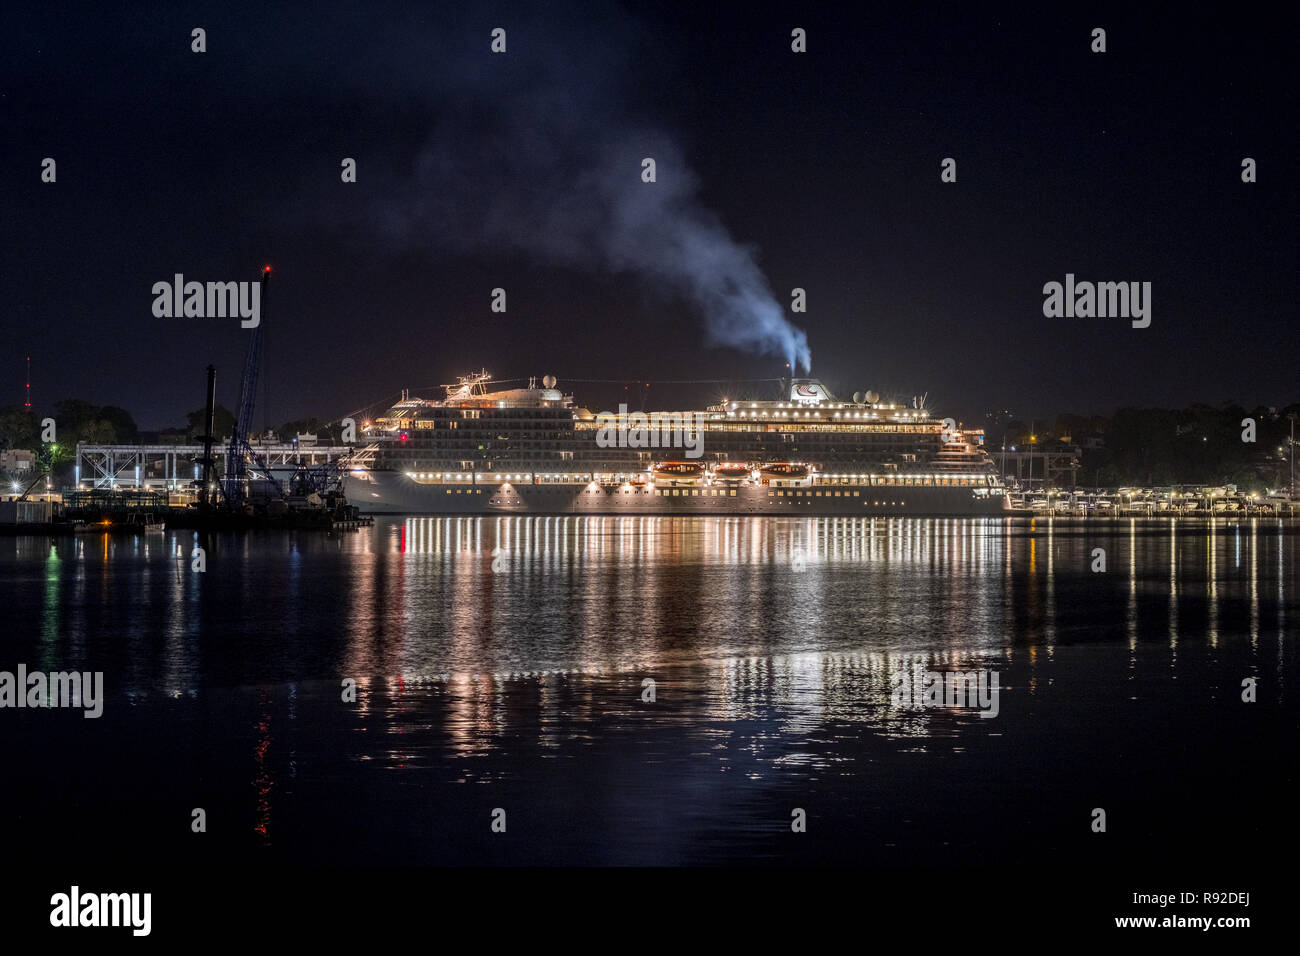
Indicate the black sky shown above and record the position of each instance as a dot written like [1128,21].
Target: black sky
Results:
[1115,166]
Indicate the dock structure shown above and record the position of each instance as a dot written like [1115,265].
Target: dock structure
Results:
[176,467]
[1177,502]
[1039,466]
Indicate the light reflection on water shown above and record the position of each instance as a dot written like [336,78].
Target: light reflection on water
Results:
[773,644]
[419,597]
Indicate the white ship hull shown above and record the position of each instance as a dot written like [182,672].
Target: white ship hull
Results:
[393,492]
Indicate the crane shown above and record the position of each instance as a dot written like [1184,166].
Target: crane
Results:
[239,454]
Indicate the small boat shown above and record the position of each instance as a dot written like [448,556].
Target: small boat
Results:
[132,523]
[679,472]
[146,522]
[679,469]
[784,469]
[730,471]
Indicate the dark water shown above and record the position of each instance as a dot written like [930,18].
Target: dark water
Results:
[771,643]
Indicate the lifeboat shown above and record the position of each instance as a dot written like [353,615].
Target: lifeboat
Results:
[669,474]
[679,469]
[784,470]
[731,471]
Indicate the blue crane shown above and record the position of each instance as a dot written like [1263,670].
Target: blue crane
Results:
[239,454]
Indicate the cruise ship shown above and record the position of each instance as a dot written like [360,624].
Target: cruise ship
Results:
[533,450]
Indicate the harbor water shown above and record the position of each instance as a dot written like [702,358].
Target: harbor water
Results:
[639,690]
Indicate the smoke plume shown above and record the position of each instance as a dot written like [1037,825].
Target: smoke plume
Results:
[539,154]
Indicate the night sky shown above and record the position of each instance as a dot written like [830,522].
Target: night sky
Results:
[522,171]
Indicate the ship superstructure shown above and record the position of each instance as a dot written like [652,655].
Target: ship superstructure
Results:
[533,449]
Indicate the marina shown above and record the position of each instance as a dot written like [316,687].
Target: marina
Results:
[1182,503]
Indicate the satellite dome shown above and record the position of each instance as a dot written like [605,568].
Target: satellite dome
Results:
[873,397]
[548,381]
[858,397]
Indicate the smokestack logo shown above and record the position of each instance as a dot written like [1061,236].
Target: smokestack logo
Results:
[210,300]
[809,390]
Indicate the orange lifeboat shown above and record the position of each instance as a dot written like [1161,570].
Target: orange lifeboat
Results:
[679,469]
[731,471]
[784,470]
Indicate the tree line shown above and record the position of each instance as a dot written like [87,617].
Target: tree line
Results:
[76,420]
[1200,444]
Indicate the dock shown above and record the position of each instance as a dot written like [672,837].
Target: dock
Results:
[137,512]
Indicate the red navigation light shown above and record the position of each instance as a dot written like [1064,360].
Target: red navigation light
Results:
[266,268]
[403,436]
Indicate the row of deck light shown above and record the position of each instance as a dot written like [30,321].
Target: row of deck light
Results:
[900,416]
[735,405]
[624,477]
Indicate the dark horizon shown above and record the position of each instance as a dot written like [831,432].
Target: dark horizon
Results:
[1122,166]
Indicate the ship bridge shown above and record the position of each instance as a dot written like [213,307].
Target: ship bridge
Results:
[470,393]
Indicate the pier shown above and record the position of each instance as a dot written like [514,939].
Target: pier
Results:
[176,467]
[1176,502]
[134,511]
